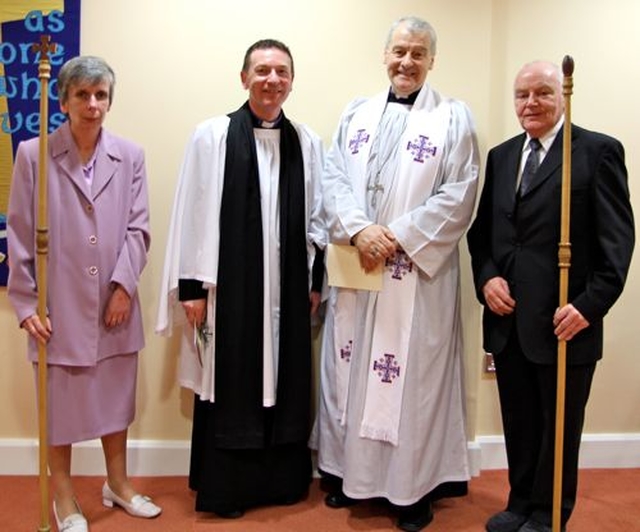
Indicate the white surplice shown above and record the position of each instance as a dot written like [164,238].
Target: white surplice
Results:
[193,242]
[428,215]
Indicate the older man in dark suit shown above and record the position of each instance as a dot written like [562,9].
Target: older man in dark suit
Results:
[514,248]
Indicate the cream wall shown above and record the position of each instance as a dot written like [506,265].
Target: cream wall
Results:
[178,63]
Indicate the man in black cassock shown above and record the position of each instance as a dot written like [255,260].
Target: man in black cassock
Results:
[245,231]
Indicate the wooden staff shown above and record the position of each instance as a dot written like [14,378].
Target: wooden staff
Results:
[42,248]
[564,262]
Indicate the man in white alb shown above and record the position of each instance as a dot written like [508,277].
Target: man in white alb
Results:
[400,185]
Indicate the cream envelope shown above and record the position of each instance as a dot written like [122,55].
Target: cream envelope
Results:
[344,269]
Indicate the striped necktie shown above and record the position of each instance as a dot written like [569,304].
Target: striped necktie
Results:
[530,166]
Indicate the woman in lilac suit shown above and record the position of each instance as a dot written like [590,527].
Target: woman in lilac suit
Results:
[98,242]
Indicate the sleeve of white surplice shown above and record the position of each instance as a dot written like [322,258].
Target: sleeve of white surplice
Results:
[193,239]
[317,236]
[430,233]
[345,213]
[313,153]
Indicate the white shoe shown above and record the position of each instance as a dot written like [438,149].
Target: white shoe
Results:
[140,505]
[72,523]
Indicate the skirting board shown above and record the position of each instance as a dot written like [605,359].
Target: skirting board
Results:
[171,458]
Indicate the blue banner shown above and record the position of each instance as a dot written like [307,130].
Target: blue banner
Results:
[22,23]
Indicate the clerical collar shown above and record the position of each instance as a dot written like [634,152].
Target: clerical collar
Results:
[409,100]
[264,124]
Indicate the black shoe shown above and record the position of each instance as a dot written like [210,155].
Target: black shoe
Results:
[506,521]
[234,513]
[338,499]
[415,517]
[329,483]
[290,500]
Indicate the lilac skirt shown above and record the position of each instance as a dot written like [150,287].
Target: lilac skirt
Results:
[88,402]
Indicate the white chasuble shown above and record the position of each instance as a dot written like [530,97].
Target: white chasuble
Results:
[402,175]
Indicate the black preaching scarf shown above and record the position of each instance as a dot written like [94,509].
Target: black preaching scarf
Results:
[239,418]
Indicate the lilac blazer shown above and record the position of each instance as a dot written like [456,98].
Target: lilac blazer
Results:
[98,235]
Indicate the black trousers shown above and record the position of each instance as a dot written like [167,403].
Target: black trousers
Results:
[528,403]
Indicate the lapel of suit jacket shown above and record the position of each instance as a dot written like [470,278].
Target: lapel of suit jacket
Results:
[512,166]
[65,155]
[107,161]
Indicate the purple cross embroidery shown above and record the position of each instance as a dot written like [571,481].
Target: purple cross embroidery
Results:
[360,138]
[387,368]
[400,264]
[345,352]
[421,147]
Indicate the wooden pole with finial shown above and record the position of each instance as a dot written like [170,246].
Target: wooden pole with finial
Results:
[564,263]
[44,47]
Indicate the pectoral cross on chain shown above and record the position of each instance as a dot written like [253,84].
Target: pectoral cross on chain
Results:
[374,189]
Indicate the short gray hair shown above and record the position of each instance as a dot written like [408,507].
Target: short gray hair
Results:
[414,25]
[84,68]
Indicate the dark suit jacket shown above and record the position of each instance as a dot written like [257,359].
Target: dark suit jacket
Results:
[518,240]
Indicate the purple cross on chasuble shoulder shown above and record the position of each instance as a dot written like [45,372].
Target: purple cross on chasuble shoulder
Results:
[421,148]
[361,137]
